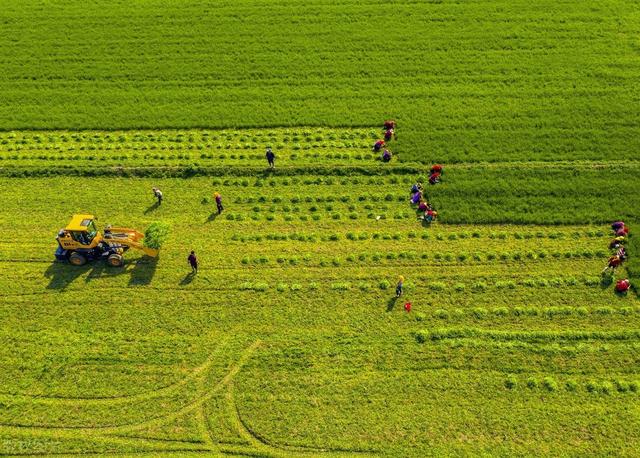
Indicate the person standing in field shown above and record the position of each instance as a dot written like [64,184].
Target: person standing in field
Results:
[218,202]
[193,262]
[271,158]
[157,194]
[399,286]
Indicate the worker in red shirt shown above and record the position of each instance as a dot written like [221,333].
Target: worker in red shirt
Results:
[614,261]
[434,178]
[389,124]
[622,286]
[377,146]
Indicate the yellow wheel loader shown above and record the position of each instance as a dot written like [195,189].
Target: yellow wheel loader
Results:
[81,242]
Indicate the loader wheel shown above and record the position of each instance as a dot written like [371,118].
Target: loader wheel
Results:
[115,260]
[77,259]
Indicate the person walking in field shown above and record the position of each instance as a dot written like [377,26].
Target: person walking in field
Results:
[271,158]
[193,262]
[399,286]
[157,194]
[218,202]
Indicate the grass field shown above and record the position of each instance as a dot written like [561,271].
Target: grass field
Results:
[289,341]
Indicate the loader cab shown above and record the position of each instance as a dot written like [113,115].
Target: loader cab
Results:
[81,232]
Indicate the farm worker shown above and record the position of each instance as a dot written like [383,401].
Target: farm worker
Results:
[389,124]
[416,187]
[157,194]
[616,243]
[614,261]
[388,134]
[621,253]
[193,262]
[430,215]
[622,286]
[407,306]
[386,156]
[434,178]
[218,202]
[417,197]
[617,225]
[436,168]
[622,231]
[399,286]
[271,157]
[377,146]
[423,206]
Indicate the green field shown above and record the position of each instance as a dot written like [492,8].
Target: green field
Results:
[289,341]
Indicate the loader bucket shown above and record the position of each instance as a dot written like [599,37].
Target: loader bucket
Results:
[150,251]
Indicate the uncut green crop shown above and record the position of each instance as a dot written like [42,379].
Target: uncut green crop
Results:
[467,81]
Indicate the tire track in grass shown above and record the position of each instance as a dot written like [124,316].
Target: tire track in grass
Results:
[271,449]
[148,395]
[72,432]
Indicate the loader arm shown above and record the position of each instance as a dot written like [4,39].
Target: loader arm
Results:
[128,237]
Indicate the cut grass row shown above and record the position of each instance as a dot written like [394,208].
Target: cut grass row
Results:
[528,196]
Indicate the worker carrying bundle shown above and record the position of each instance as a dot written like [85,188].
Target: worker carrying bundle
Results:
[622,286]
[377,146]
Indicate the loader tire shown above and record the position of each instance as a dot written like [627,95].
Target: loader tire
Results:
[77,259]
[115,260]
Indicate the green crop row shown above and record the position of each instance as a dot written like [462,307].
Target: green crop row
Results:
[128,137]
[633,263]
[525,336]
[481,313]
[448,236]
[378,257]
[550,384]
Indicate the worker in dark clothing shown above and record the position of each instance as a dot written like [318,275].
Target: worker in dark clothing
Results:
[389,124]
[399,286]
[218,202]
[193,262]
[271,158]
[157,194]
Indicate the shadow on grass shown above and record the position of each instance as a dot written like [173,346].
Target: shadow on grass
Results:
[62,274]
[391,303]
[188,279]
[212,217]
[152,208]
[143,271]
